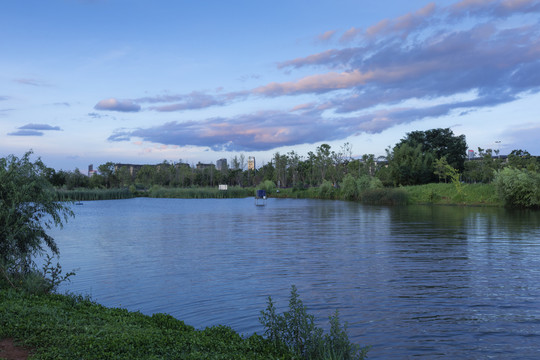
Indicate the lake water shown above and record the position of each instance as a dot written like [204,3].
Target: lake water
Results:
[417,281]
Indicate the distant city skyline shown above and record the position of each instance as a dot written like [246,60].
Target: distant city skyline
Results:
[85,82]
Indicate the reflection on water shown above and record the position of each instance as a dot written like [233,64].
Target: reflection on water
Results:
[437,282]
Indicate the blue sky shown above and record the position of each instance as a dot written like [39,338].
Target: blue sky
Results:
[90,81]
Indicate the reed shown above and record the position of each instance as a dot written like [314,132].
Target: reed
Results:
[93,194]
[200,192]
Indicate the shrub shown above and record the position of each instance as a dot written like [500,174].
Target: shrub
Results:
[349,188]
[518,188]
[326,190]
[267,185]
[296,330]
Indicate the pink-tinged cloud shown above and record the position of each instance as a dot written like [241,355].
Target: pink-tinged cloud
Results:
[31,82]
[326,35]
[319,83]
[350,34]
[259,131]
[113,104]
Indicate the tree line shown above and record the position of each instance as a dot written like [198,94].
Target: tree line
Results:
[421,157]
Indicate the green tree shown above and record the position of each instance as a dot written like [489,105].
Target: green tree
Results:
[28,208]
[108,173]
[146,175]
[440,143]
[409,165]
[520,159]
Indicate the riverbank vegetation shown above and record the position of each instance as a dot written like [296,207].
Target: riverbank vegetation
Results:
[72,327]
[435,160]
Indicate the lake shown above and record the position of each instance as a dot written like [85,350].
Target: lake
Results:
[416,281]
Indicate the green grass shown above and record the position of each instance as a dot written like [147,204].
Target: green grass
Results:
[71,327]
[447,194]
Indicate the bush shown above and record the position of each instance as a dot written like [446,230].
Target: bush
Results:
[518,188]
[296,330]
[326,190]
[349,188]
[268,186]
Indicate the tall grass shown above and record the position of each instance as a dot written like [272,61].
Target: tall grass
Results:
[385,196]
[93,194]
[200,192]
[447,193]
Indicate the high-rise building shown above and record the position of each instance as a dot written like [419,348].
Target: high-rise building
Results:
[251,163]
[221,164]
[91,170]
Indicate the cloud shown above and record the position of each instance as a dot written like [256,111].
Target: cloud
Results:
[4,98]
[522,136]
[41,127]
[319,83]
[113,104]
[34,130]
[432,62]
[326,35]
[195,100]
[26,133]
[258,131]
[31,82]
[495,8]
[271,129]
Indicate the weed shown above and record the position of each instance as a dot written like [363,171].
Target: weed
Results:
[295,329]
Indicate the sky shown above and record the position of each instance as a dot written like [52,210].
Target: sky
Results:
[137,81]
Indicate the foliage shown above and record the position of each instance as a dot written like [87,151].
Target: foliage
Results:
[409,165]
[349,188]
[268,186]
[520,159]
[326,190]
[28,207]
[200,193]
[518,188]
[412,160]
[94,194]
[295,329]
[385,196]
[482,169]
[34,281]
[440,143]
[73,327]
[445,193]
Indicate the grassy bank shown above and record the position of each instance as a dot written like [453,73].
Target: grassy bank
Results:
[436,193]
[71,327]
[448,194]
